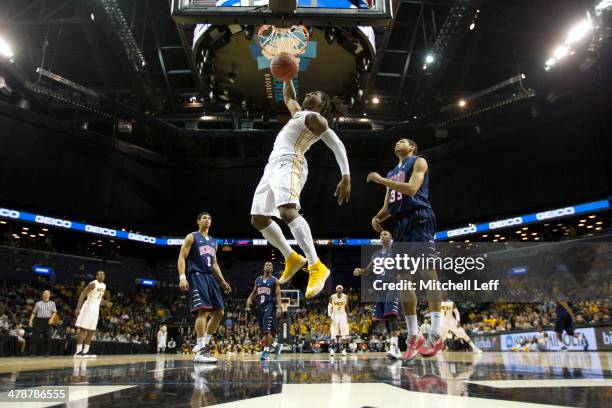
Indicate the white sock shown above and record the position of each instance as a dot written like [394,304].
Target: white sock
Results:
[266,348]
[435,322]
[85,348]
[275,343]
[274,234]
[201,341]
[207,339]
[303,236]
[79,348]
[412,325]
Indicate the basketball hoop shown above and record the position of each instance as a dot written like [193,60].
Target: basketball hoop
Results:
[284,304]
[274,40]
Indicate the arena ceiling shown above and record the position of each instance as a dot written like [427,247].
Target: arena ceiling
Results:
[490,53]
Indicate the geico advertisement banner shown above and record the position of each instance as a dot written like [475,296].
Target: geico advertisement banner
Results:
[588,343]
[604,338]
[487,343]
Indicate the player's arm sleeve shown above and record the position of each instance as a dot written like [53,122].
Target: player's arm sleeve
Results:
[332,141]
[329,309]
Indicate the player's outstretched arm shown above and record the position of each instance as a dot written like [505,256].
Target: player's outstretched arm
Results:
[408,188]
[317,124]
[290,98]
[364,272]
[185,248]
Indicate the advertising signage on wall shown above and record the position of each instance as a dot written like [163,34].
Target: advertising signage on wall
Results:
[121,234]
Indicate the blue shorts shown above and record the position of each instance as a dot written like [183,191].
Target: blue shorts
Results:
[204,292]
[267,318]
[415,226]
[390,309]
[564,322]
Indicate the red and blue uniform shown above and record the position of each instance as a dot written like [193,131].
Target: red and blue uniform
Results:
[564,320]
[204,290]
[415,221]
[391,308]
[266,304]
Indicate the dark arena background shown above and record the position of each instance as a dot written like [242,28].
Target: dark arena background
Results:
[122,120]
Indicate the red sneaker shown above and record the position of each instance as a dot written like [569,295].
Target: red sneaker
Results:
[434,344]
[414,343]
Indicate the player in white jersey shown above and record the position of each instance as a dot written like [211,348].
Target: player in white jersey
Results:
[87,313]
[278,192]
[162,336]
[337,310]
[451,322]
[539,342]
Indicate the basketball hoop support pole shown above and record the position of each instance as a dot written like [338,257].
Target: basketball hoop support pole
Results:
[283,6]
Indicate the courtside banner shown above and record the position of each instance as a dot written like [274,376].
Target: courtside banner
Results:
[604,338]
[586,343]
[487,343]
[571,271]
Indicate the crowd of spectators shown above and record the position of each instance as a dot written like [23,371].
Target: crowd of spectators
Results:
[133,317]
[505,317]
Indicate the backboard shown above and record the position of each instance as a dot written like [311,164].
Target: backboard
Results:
[234,67]
[290,297]
[350,13]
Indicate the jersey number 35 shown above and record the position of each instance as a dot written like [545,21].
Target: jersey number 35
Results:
[395,196]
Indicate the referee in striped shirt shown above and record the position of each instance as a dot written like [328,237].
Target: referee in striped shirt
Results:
[42,317]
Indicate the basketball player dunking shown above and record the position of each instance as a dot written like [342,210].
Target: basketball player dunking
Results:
[407,201]
[199,257]
[278,192]
[88,312]
[389,311]
[337,310]
[268,294]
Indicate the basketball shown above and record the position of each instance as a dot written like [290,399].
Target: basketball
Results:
[283,67]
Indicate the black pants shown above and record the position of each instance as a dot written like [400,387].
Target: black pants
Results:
[41,326]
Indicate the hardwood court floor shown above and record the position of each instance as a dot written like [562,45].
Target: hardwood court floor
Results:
[490,380]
